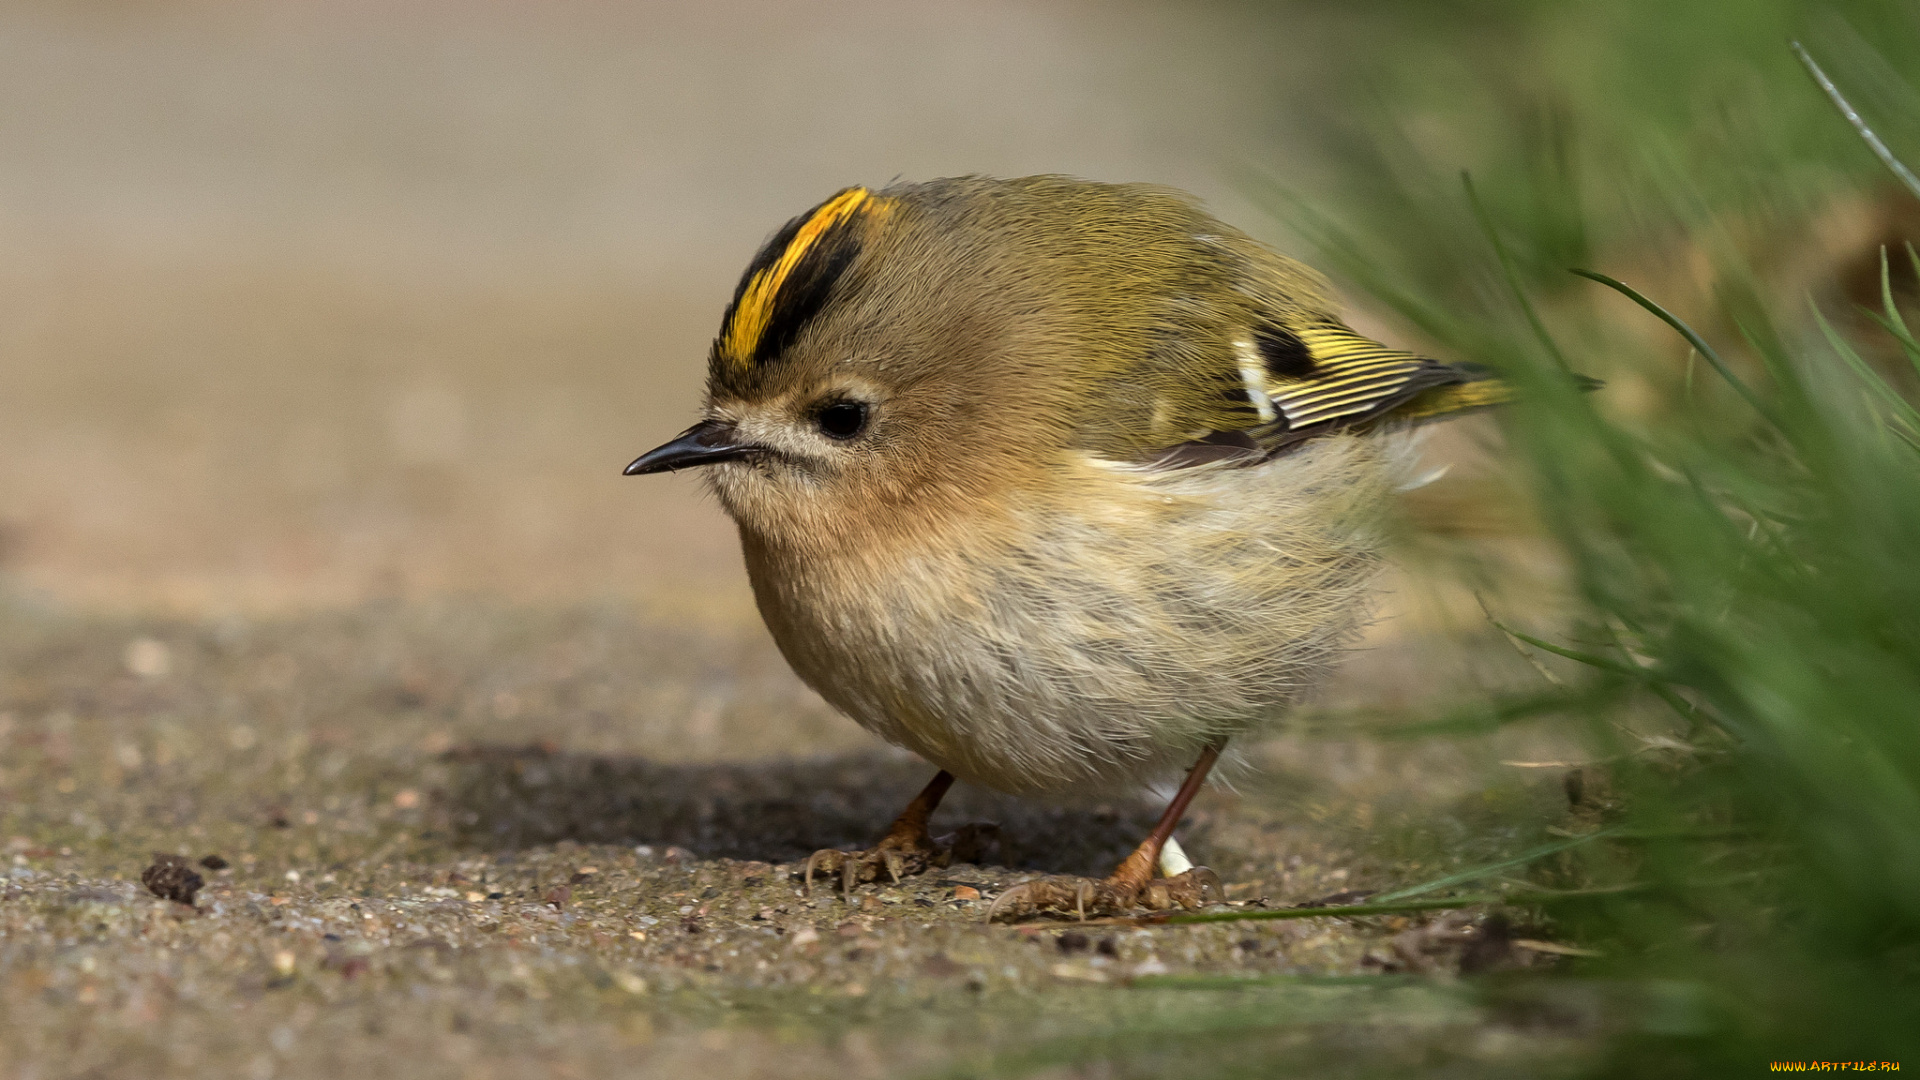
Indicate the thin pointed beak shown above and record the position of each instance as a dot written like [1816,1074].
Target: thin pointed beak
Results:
[705,443]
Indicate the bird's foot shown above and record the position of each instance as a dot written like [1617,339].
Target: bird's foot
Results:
[901,853]
[1121,894]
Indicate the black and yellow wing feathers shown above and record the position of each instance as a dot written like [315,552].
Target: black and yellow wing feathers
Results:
[1317,377]
[1332,379]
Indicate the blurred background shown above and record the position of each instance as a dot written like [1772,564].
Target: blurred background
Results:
[306,303]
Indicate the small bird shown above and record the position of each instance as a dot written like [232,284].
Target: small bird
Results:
[1060,485]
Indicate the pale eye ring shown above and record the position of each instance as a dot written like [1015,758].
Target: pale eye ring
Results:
[842,419]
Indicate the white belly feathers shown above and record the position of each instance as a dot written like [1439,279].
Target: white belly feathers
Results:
[1073,671]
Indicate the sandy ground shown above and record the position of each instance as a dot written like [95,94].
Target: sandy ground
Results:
[324,333]
[464,840]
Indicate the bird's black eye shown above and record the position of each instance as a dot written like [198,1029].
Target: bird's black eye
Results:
[841,419]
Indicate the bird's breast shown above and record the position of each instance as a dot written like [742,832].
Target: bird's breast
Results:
[1093,638]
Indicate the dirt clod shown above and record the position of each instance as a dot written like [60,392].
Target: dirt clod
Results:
[1489,947]
[172,877]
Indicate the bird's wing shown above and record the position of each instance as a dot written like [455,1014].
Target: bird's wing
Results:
[1318,376]
[1323,377]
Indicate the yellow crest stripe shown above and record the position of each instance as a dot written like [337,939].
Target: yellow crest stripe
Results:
[756,305]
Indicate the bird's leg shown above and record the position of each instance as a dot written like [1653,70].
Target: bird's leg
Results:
[908,848]
[1132,884]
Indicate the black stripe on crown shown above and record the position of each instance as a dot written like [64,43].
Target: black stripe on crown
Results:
[807,288]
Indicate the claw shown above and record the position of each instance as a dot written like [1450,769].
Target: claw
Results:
[1006,900]
[1068,896]
[1206,881]
[899,856]
[814,860]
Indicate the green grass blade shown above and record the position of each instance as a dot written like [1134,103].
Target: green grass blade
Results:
[1600,662]
[1899,410]
[1257,982]
[1489,869]
[1699,343]
[1479,719]
[1859,124]
[1899,331]
[1886,299]
[1908,344]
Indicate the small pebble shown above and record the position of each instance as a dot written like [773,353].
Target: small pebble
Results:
[171,877]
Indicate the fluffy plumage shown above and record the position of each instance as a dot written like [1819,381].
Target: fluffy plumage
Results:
[1054,483]
[1096,642]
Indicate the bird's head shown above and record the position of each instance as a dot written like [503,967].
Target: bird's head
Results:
[895,358]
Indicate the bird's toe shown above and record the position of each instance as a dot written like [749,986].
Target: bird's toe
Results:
[1196,888]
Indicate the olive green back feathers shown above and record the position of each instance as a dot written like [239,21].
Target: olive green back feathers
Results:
[1020,315]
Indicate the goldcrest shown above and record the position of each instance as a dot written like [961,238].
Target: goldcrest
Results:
[1060,485]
